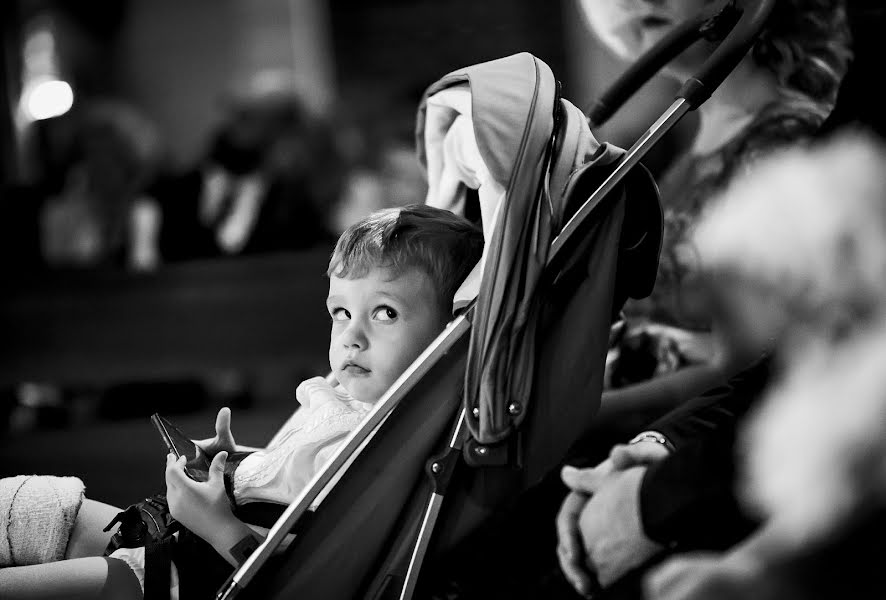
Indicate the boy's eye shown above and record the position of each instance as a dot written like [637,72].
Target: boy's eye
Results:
[385,313]
[340,314]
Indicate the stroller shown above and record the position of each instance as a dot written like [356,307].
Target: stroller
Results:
[572,229]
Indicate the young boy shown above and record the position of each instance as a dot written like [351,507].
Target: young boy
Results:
[392,279]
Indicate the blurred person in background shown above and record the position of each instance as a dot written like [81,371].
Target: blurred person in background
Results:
[779,95]
[270,178]
[271,174]
[103,214]
[667,350]
[90,205]
[384,170]
[792,257]
[802,247]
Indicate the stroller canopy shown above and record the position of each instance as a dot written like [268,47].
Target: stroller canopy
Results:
[502,129]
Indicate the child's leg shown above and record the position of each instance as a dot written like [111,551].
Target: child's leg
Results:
[87,537]
[80,579]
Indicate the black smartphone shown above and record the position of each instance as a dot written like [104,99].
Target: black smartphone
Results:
[197,465]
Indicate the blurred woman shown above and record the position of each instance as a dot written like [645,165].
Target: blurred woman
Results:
[779,95]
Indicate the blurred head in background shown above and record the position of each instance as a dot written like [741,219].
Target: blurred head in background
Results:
[797,258]
[797,250]
[273,170]
[91,218]
[805,45]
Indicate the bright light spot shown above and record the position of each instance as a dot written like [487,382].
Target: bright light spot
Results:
[47,99]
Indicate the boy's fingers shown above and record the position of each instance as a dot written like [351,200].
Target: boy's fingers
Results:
[217,466]
[176,464]
[223,421]
[174,470]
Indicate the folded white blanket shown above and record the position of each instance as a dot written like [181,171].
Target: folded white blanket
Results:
[454,165]
[37,514]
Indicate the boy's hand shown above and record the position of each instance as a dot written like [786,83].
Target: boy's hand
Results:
[223,440]
[202,507]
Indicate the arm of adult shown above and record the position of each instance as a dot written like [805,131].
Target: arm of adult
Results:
[666,391]
[717,409]
[571,552]
[688,501]
[694,577]
[698,575]
[621,528]
[685,499]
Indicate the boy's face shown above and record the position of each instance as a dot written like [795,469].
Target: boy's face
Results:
[380,323]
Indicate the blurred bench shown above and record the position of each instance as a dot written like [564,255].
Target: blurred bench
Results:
[99,327]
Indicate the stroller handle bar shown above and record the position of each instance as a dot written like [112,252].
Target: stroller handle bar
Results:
[737,24]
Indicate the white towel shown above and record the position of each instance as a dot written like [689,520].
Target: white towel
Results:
[454,165]
[37,514]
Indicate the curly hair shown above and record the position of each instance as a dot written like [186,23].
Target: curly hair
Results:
[808,45]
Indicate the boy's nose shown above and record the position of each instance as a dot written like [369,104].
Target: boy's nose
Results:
[354,336]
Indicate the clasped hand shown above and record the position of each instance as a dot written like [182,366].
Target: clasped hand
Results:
[599,530]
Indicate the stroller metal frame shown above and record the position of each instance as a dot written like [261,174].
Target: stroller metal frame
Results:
[738,22]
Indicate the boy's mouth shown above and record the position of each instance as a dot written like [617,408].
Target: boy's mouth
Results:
[355,369]
[652,21]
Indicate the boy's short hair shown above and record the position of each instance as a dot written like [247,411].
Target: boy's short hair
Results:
[443,245]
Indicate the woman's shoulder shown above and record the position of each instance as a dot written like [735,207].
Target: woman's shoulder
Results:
[790,121]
